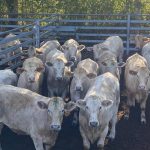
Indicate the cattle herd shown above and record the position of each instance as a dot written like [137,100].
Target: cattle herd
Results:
[89,88]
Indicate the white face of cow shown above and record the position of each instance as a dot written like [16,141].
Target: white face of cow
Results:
[109,66]
[142,75]
[56,108]
[71,51]
[59,68]
[31,73]
[94,108]
[80,78]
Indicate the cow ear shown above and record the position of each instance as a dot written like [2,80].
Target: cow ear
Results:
[91,75]
[81,47]
[69,107]
[68,73]
[81,103]
[20,70]
[38,50]
[42,105]
[107,103]
[48,64]
[40,69]
[69,64]
[122,64]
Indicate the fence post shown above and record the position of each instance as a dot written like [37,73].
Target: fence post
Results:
[128,33]
[37,33]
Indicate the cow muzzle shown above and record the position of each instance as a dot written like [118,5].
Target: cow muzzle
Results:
[142,87]
[59,78]
[55,127]
[73,59]
[79,88]
[31,79]
[94,124]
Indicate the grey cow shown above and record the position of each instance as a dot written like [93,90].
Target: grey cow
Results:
[26,112]
[58,74]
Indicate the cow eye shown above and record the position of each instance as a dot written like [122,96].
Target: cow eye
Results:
[62,111]
[132,72]
[86,107]
[103,63]
[100,107]
[49,111]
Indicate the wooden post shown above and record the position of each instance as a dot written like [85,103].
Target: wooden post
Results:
[128,34]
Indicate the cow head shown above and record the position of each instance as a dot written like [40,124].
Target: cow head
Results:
[59,67]
[97,51]
[142,75]
[80,76]
[32,73]
[139,42]
[72,51]
[94,107]
[56,108]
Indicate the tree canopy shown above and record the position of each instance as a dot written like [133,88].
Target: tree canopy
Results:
[74,6]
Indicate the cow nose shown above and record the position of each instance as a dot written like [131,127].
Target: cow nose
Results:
[59,78]
[73,59]
[56,127]
[78,88]
[94,124]
[31,79]
[141,87]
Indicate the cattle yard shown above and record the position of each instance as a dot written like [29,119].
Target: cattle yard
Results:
[88,30]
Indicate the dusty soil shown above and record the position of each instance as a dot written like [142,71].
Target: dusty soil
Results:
[130,134]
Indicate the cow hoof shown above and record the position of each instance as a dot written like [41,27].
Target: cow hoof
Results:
[143,121]
[111,138]
[126,116]
[74,123]
[100,147]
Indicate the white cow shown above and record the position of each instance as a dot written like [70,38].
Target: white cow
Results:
[98,109]
[7,76]
[26,112]
[137,76]
[46,48]
[146,53]
[31,74]
[10,44]
[72,51]
[113,44]
[83,77]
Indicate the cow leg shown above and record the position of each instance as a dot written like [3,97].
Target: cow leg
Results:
[1,127]
[101,141]
[143,106]
[130,102]
[86,142]
[75,118]
[48,147]
[113,127]
[38,143]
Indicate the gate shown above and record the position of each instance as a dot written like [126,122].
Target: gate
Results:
[87,29]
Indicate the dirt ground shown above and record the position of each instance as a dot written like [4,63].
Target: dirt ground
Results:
[130,134]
